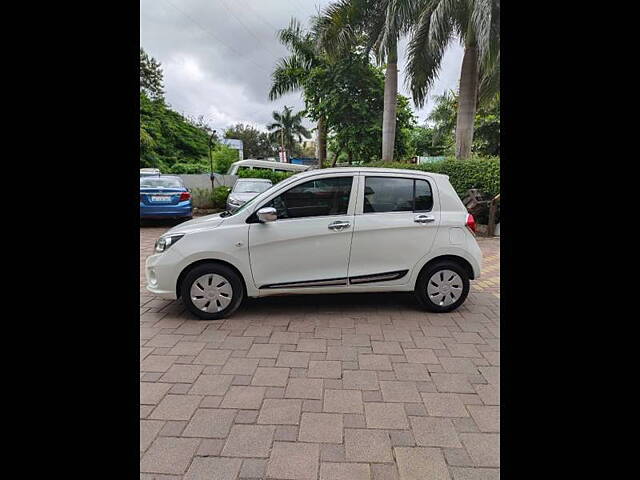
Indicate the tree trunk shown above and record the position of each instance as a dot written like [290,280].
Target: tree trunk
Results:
[467,101]
[335,159]
[390,104]
[321,143]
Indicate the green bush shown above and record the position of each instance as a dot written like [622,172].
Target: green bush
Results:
[275,177]
[482,173]
[180,168]
[223,157]
[205,198]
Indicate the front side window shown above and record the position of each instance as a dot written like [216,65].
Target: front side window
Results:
[391,194]
[329,196]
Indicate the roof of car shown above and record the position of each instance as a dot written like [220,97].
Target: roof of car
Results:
[309,173]
[254,179]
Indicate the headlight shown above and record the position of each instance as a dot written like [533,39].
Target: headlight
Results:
[163,243]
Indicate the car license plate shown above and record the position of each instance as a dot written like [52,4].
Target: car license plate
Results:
[160,198]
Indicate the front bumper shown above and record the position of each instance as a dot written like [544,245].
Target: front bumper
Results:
[161,275]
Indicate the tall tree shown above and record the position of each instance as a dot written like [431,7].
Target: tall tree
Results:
[476,23]
[378,24]
[287,127]
[151,78]
[291,73]
[256,144]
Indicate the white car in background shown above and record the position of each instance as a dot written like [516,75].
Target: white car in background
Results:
[244,190]
[334,230]
[150,172]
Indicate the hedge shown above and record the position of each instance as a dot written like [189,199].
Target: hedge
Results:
[482,173]
[275,177]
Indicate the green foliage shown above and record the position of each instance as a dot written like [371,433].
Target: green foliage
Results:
[350,95]
[476,172]
[210,199]
[201,167]
[422,141]
[167,138]
[287,126]
[486,138]
[275,177]
[151,78]
[223,157]
[256,144]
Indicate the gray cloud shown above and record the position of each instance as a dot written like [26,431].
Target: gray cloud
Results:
[217,56]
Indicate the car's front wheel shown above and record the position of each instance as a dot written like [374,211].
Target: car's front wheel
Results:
[212,291]
[442,286]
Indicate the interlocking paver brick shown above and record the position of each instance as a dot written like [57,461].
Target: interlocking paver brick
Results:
[149,430]
[411,371]
[385,415]
[240,366]
[344,471]
[484,448]
[211,384]
[374,362]
[309,388]
[486,417]
[420,355]
[462,473]
[293,359]
[416,463]
[253,468]
[270,377]
[325,369]
[213,468]
[243,397]
[321,428]
[434,432]
[452,382]
[444,405]
[384,471]
[360,380]
[343,401]
[263,350]
[157,363]
[182,373]
[249,441]
[386,348]
[397,391]
[284,337]
[363,445]
[280,412]
[312,345]
[176,407]
[152,393]
[210,423]
[489,394]
[293,461]
[169,455]
[212,357]
[187,348]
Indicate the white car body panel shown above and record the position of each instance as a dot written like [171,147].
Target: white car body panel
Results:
[304,249]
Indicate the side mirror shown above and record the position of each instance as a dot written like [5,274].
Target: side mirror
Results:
[267,214]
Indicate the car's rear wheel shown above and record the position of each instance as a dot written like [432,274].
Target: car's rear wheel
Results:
[212,291]
[442,286]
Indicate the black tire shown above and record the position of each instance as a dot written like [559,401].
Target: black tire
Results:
[421,286]
[212,268]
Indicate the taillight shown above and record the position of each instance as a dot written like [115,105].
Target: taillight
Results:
[184,196]
[471,223]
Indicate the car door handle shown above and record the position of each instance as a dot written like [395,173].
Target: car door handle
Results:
[339,226]
[424,219]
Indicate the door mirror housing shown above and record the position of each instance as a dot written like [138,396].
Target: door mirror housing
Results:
[267,214]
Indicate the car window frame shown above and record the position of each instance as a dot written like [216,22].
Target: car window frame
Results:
[429,180]
[350,206]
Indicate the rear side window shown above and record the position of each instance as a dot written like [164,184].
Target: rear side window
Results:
[392,194]
[314,198]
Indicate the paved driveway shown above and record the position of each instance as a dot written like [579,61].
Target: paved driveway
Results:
[322,387]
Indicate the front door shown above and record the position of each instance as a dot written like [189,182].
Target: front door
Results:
[308,245]
[395,227]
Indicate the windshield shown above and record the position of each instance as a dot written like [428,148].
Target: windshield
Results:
[160,182]
[250,186]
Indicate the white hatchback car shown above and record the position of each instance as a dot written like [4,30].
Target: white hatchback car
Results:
[334,230]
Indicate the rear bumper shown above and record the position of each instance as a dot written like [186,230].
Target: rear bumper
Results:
[182,209]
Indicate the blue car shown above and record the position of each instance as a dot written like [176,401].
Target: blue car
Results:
[164,197]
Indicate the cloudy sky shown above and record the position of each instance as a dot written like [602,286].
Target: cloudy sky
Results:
[218,55]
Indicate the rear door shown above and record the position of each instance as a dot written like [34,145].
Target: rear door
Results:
[308,245]
[397,218]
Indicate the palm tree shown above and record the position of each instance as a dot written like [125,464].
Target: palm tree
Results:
[476,23]
[287,127]
[291,72]
[378,24]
